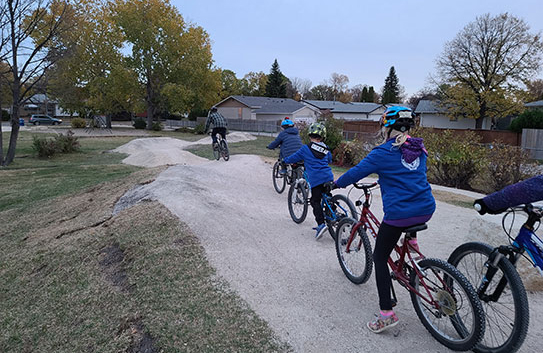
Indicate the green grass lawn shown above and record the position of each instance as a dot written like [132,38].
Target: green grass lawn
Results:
[30,179]
[257,146]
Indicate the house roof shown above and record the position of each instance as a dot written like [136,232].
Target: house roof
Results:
[340,107]
[534,104]
[41,98]
[268,105]
[428,107]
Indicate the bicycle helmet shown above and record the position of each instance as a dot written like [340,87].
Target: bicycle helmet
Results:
[317,129]
[398,118]
[213,109]
[287,123]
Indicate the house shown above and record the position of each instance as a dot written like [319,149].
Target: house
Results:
[353,111]
[265,109]
[41,104]
[431,114]
[534,105]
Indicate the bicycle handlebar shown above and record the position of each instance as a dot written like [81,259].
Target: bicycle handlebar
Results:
[364,186]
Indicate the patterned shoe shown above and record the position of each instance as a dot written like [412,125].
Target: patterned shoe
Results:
[382,323]
[321,228]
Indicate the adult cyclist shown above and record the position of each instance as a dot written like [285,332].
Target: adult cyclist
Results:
[219,124]
[289,140]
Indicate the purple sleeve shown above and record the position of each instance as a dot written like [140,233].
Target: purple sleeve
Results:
[527,191]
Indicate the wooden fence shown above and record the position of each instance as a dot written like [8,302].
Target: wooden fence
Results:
[532,142]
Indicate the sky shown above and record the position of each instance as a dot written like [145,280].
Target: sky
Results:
[358,38]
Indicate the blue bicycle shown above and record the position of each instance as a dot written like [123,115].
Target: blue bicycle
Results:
[492,271]
[335,207]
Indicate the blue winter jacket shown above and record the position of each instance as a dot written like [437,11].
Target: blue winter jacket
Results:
[289,140]
[405,190]
[316,157]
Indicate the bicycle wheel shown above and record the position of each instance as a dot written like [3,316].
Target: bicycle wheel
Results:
[279,181]
[224,150]
[297,201]
[216,152]
[458,320]
[356,264]
[507,313]
[342,207]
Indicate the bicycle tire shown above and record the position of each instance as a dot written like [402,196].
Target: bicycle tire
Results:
[224,150]
[357,264]
[297,201]
[279,186]
[459,305]
[335,202]
[512,300]
[216,152]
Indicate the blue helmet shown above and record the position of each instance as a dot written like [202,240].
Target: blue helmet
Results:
[398,118]
[287,123]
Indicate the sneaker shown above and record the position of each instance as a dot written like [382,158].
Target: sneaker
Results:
[382,323]
[321,228]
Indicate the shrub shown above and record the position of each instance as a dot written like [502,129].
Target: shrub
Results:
[454,159]
[505,165]
[44,146]
[530,119]
[302,128]
[157,126]
[350,153]
[334,130]
[47,147]
[5,115]
[78,123]
[139,123]
[67,143]
[200,129]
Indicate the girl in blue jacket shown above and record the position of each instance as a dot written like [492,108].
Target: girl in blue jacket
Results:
[316,157]
[400,163]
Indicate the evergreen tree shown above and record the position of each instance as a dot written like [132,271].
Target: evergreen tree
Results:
[276,85]
[371,95]
[364,94]
[391,90]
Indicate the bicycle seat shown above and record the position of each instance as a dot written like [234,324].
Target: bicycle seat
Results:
[416,228]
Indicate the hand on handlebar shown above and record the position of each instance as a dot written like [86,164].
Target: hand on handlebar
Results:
[481,207]
[329,186]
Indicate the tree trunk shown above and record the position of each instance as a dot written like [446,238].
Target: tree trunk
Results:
[1,141]
[149,101]
[12,137]
[482,115]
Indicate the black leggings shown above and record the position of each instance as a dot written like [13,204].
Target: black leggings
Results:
[387,237]
[316,197]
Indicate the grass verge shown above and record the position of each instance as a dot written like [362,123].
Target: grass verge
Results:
[75,279]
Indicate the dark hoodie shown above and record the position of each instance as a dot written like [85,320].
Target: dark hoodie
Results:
[289,140]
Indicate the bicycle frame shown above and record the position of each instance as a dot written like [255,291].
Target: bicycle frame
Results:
[401,268]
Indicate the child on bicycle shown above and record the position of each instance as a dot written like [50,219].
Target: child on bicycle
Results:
[289,140]
[316,157]
[400,163]
[219,124]
[527,191]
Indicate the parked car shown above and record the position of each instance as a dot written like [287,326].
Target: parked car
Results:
[44,119]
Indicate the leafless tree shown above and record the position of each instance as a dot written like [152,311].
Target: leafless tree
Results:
[535,89]
[28,29]
[493,53]
[301,86]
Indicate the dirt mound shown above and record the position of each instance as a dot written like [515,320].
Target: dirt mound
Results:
[153,152]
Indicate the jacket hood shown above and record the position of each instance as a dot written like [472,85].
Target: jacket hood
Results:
[319,149]
[291,130]
[412,149]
